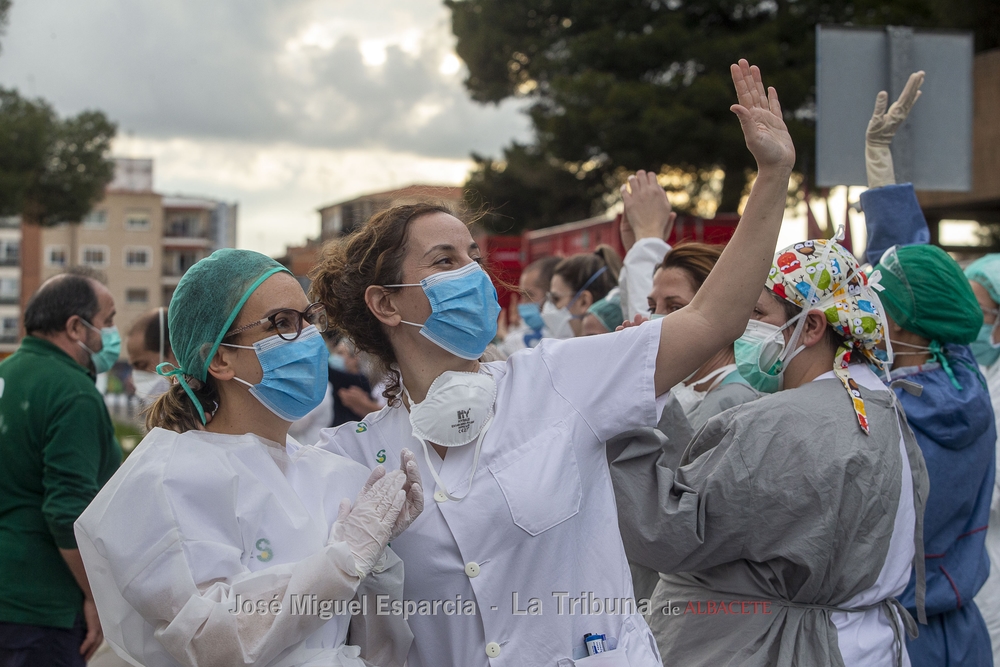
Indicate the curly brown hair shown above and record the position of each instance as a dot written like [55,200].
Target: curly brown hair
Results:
[372,255]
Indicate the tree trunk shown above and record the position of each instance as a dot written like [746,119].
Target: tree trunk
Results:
[732,191]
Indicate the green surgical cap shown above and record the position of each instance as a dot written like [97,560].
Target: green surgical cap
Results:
[609,311]
[927,293]
[204,306]
[986,272]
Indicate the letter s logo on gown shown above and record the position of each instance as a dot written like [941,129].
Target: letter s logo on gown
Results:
[263,545]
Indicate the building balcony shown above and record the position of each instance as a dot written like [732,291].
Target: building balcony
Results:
[9,261]
[186,242]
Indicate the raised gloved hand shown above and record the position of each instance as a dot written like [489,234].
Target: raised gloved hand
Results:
[882,128]
[414,504]
[367,526]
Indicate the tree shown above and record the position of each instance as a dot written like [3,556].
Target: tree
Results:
[620,85]
[525,190]
[51,169]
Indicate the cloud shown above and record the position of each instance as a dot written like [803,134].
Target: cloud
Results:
[346,74]
[279,187]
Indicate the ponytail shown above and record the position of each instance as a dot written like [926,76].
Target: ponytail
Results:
[174,410]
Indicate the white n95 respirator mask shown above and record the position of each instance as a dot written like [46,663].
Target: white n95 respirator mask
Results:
[457,410]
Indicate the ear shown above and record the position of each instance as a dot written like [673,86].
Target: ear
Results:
[222,367]
[76,329]
[814,330]
[379,302]
[585,300]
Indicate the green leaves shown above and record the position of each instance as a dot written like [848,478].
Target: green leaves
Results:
[644,84]
[51,169]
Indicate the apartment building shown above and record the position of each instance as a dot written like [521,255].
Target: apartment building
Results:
[141,240]
[122,237]
[10,284]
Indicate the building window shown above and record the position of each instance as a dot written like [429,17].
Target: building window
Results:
[138,258]
[137,221]
[10,290]
[95,220]
[8,329]
[94,255]
[10,252]
[56,255]
[136,296]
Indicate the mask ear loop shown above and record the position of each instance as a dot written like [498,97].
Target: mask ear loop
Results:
[161,334]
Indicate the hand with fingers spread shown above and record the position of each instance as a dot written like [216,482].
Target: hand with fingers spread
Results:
[414,504]
[760,117]
[648,213]
[367,526]
[883,127]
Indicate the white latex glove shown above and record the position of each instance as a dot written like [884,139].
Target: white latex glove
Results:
[367,525]
[882,128]
[414,504]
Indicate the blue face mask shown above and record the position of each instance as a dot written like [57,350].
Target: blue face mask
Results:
[295,375]
[985,351]
[111,347]
[464,310]
[337,363]
[531,315]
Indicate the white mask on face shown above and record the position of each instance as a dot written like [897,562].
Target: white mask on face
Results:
[149,386]
[458,409]
[557,321]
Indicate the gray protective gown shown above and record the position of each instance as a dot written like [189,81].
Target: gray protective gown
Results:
[783,499]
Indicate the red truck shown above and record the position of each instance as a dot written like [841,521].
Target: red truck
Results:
[509,254]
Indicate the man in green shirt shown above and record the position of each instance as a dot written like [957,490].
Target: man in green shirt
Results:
[57,449]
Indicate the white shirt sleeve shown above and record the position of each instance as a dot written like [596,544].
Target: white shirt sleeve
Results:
[608,379]
[171,551]
[636,277]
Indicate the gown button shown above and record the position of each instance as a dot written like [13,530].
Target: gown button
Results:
[440,497]
[472,570]
[493,649]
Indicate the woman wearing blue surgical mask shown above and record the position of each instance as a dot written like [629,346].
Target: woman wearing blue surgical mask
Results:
[522,516]
[579,282]
[222,540]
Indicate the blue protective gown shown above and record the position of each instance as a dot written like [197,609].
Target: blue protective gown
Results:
[956,432]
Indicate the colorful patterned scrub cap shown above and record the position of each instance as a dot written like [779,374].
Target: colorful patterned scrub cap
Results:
[823,275]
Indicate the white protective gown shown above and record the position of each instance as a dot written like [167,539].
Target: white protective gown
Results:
[988,598]
[540,521]
[210,549]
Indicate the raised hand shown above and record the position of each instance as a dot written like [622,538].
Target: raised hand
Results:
[648,213]
[760,117]
[883,126]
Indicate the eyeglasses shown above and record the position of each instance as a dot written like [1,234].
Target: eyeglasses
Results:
[288,322]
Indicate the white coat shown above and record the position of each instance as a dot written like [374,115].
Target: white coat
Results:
[207,549]
[536,540]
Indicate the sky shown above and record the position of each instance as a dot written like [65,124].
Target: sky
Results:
[280,105]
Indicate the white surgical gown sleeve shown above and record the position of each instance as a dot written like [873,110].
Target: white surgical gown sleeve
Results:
[607,379]
[160,531]
[636,277]
[384,638]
